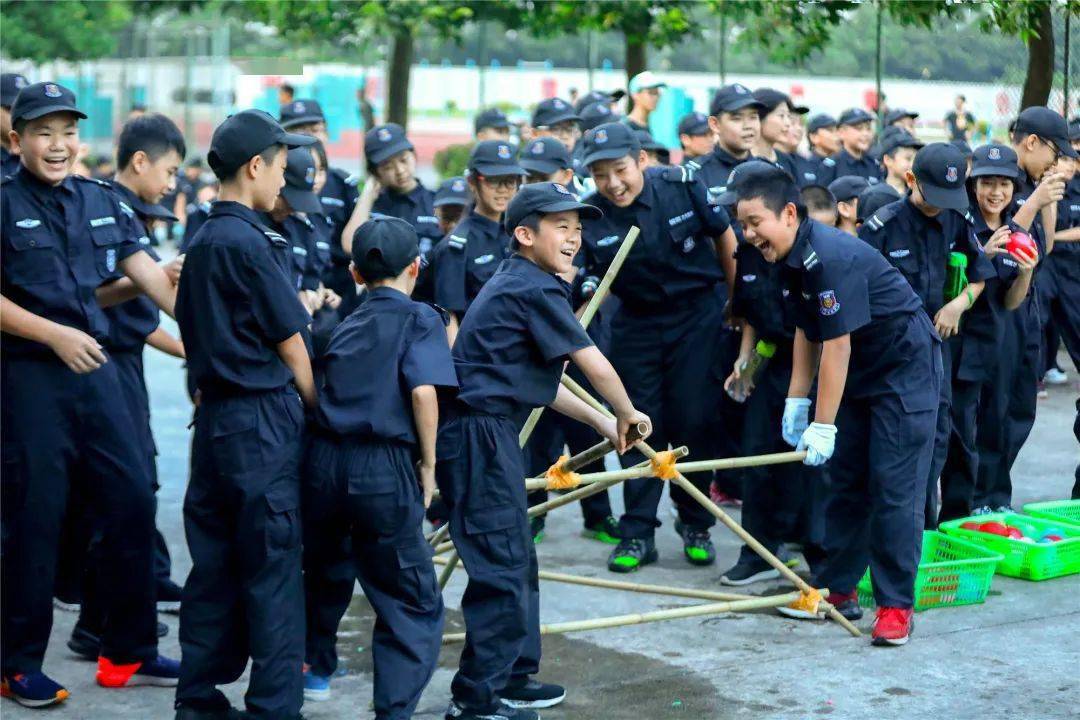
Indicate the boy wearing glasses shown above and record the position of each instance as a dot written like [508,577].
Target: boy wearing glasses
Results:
[556,118]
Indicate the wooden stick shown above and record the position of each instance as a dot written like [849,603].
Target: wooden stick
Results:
[654,616]
[723,517]
[691,467]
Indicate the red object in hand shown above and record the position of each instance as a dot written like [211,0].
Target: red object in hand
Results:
[1015,533]
[994,528]
[1021,240]
[969,525]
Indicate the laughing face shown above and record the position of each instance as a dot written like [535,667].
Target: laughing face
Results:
[556,242]
[620,180]
[993,193]
[770,232]
[49,146]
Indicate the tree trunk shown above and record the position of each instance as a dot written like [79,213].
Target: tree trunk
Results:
[397,79]
[635,60]
[1040,69]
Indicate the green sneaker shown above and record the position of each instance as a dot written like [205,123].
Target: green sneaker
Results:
[536,524]
[631,554]
[697,546]
[606,531]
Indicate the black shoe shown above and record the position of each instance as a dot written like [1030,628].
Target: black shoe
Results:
[528,693]
[504,712]
[631,553]
[187,713]
[744,573]
[697,545]
[606,531]
[162,629]
[168,597]
[536,525]
[84,643]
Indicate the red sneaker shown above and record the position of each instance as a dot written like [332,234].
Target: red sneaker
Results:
[161,671]
[892,626]
[721,498]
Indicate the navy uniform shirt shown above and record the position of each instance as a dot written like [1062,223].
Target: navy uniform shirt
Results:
[300,232]
[463,261]
[1068,216]
[510,350]
[807,169]
[235,304]
[401,345]
[415,207]
[9,163]
[843,286]
[761,298]
[338,198]
[675,257]
[1024,187]
[714,170]
[844,163]
[196,216]
[60,243]
[919,246]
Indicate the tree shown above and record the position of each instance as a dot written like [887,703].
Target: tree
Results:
[62,30]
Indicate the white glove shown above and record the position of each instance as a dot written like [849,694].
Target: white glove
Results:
[818,441]
[796,418]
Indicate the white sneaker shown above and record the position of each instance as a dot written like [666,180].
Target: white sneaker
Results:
[1054,376]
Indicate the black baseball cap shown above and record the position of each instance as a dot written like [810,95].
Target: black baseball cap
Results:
[453,191]
[383,247]
[608,142]
[299,189]
[754,168]
[941,169]
[492,158]
[873,199]
[491,118]
[848,187]
[854,116]
[894,115]
[733,97]
[1048,125]
[44,98]
[596,114]
[695,123]
[545,155]
[994,160]
[598,96]
[10,85]
[383,142]
[552,112]
[301,112]
[898,139]
[545,197]
[770,99]
[648,142]
[243,136]
[820,121]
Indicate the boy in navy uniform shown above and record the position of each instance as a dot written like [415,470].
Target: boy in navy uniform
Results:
[695,136]
[855,128]
[898,150]
[10,85]
[63,235]
[734,119]
[491,124]
[556,118]
[665,333]
[243,330]
[370,467]
[823,141]
[451,199]
[863,328]
[846,190]
[917,235]
[546,159]
[509,356]
[872,199]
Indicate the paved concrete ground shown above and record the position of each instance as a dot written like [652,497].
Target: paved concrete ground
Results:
[1014,658]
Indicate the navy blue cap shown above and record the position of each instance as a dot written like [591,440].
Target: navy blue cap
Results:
[854,116]
[453,191]
[898,139]
[848,187]
[43,98]
[299,188]
[941,169]
[597,96]
[301,112]
[492,158]
[545,197]
[648,142]
[491,118]
[899,113]
[1048,125]
[10,85]
[731,98]
[695,123]
[596,114]
[383,247]
[545,155]
[552,112]
[383,142]
[819,121]
[608,142]
[994,159]
[243,136]
[753,168]
[873,199]
[770,99]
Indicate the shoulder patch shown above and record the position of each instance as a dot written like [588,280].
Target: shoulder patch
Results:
[678,174]
[828,162]
[6,179]
[457,242]
[127,209]
[693,164]
[102,183]
[275,238]
[879,219]
[352,180]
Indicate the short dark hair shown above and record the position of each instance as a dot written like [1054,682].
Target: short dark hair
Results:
[320,150]
[267,156]
[531,221]
[152,133]
[776,189]
[817,198]
[288,88]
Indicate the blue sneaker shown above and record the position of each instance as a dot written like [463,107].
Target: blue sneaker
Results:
[161,671]
[34,689]
[316,687]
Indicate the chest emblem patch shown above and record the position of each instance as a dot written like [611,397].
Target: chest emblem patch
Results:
[828,303]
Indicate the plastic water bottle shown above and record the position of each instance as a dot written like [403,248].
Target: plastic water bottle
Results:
[956,278]
[749,370]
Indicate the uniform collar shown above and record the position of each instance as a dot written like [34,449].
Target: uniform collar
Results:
[388,294]
[527,266]
[918,215]
[483,224]
[412,196]
[978,224]
[231,207]
[844,154]
[142,208]
[41,189]
[801,250]
[723,157]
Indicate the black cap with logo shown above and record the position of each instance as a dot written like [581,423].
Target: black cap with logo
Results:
[820,122]
[545,197]
[854,116]
[731,98]
[299,189]
[10,85]
[941,169]
[847,187]
[995,160]
[491,118]
[452,191]
[552,112]
[609,142]
[695,123]
[43,98]
[301,112]
[243,136]
[383,247]
[545,155]
[1048,125]
[596,114]
[383,142]
[492,158]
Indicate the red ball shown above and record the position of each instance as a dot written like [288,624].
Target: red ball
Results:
[969,525]
[994,528]
[1021,240]
[1015,533]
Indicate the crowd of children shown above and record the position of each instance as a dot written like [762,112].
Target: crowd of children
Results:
[886,305]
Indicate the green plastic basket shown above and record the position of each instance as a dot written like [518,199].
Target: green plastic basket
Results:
[1060,511]
[1020,559]
[951,572]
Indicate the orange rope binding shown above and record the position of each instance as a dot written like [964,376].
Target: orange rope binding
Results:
[808,601]
[559,479]
[663,465]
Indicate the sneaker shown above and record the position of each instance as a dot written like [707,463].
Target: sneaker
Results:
[36,689]
[316,687]
[631,553]
[168,597]
[189,713]
[984,510]
[161,671]
[892,626]
[84,643]
[1042,393]
[536,525]
[66,605]
[528,693]
[846,604]
[697,545]
[745,573]
[503,712]
[721,498]
[606,531]
[1004,509]
[1055,376]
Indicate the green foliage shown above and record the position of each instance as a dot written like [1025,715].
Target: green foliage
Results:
[61,30]
[658,23]
[452,160]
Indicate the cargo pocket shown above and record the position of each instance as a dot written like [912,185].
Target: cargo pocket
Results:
[235,438]
[499,535]
[33,258]
[106,243]
[419,586]
[282,518]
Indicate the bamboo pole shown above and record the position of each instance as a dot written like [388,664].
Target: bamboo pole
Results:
[723,517]
[691,467]
[654,616]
